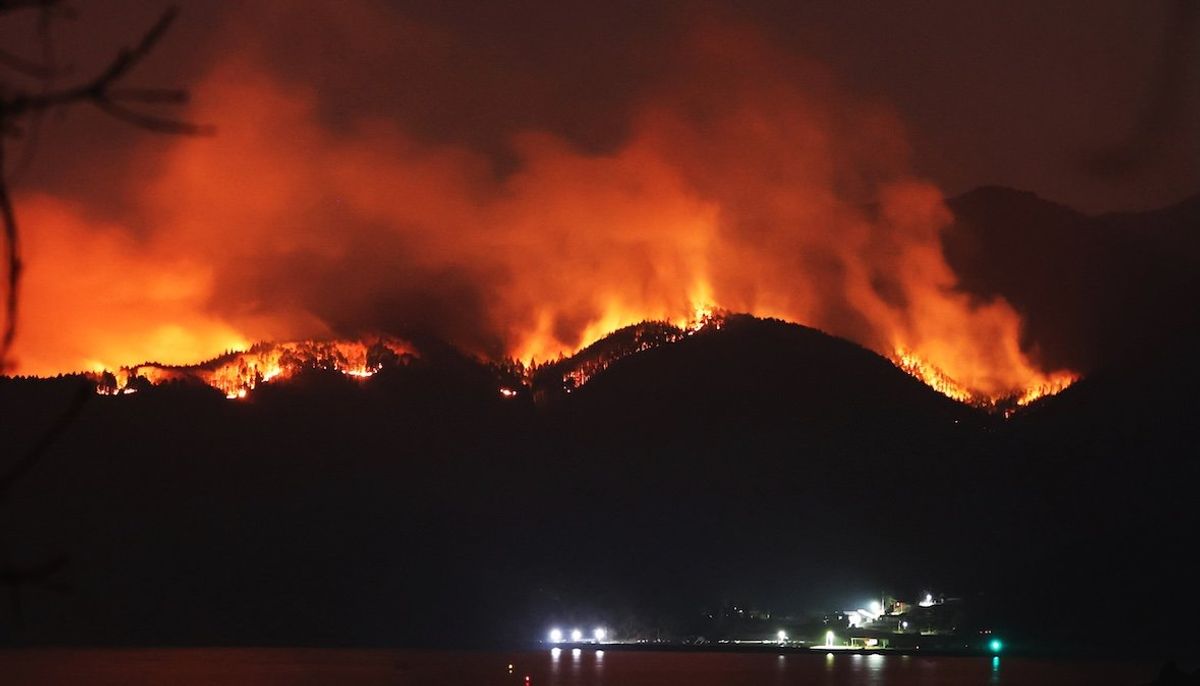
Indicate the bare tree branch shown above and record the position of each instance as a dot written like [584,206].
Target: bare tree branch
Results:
[170,96]
[45,70]
[12,261]
[13,5]
[99,86]
[150,122]
[102,91]
[49,73]
[27,67]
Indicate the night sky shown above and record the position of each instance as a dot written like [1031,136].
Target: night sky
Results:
[1016,94]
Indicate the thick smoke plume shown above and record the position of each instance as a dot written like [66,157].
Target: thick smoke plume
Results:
[739,177]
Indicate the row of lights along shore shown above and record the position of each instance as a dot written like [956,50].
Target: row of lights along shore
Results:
[598,635]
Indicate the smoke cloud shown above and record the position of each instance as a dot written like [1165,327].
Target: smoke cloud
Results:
[728,173]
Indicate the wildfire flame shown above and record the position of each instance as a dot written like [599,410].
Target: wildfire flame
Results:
[1052,386]
[583,365]
[932,376]
[237,373]
[745,180]
[936,379]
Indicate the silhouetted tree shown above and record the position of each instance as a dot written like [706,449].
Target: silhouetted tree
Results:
[20,111]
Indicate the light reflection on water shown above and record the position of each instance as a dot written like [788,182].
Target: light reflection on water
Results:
[582,667]
[620,668]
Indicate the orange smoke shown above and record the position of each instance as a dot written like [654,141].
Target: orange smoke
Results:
[95,297]
[747,182]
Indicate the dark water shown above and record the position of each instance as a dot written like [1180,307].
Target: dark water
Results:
[236,667]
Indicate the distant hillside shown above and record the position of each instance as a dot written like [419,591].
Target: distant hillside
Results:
[1110,484]
[768,368]
[759,461]
[551,381]
[1091,289]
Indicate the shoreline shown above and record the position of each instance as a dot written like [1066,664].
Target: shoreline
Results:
[764,648]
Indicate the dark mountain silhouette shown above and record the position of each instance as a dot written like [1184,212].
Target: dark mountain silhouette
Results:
[774,369]
[551,381]
[323,508]
[1112,485]
[760,462]
[1091,289]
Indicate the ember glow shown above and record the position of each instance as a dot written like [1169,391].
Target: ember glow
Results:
[747,181]
[931,375]
[576,371]
[238,373]
[937,379]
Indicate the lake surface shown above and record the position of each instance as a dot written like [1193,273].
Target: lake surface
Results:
[233,667]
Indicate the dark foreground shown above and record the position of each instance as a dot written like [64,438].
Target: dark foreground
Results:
[545,668]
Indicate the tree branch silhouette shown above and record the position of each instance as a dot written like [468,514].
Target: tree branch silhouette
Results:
[12,5]
[105,92]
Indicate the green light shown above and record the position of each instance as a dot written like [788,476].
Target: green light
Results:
[995,645]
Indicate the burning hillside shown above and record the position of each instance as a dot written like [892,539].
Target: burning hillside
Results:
[936,379]
[570,373]
[237,373]
[746,180]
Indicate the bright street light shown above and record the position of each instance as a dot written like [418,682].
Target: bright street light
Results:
[556,635]
[599,633]
[782,635]
[829,638]
[576,635]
